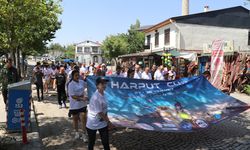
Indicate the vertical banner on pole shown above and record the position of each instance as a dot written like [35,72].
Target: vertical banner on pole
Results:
[217,62]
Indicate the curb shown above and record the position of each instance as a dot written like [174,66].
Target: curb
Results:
[34,137]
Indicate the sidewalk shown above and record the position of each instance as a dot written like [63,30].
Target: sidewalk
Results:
[241,96]
[13,141]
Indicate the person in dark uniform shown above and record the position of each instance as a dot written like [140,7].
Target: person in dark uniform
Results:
[61,78]
[8,75]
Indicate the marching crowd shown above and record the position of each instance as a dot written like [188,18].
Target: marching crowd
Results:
[56,76]
[68,79]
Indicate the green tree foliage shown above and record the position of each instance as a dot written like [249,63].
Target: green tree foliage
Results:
[115,45]
[27,25]
[70,51]
[56,46]
[131,42]
[135,38]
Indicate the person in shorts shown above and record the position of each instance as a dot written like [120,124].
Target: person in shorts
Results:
[78,104]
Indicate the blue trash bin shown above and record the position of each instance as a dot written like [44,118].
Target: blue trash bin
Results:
[19,96]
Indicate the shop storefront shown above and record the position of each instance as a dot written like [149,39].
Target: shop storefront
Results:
[145,59]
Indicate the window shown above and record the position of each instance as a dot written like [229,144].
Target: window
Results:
[156,39]
[95,59]
[248,38]
[86,49]
[148,40]
[95,49]
[79,49]
[166,36]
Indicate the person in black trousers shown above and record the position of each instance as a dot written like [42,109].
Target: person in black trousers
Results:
[61,78]
[38,81]
[97,118]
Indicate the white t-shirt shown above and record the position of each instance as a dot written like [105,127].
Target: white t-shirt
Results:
[125,74]
[76,89]
[97,104]
[158,75]
[146,76]
[70,74]
[116,75]
[47,72]
[137,75]
[68,70]
[83,69]
[91,70]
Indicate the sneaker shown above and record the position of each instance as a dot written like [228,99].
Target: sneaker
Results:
[64,105]
[60,106]
[84,138]
[77,135]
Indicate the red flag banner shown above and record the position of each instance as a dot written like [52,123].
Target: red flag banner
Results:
[217,62]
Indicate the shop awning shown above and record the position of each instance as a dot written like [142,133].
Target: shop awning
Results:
[183,54]
[225,54]
[139,54]
[172,52]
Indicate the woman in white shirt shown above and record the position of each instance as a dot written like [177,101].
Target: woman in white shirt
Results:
[172,73]
[78,104]
[97,118]
[146,74]
[47,74]
[159,73]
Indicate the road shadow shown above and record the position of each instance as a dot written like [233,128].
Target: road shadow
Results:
[232,134]
[50,97]
[57,133]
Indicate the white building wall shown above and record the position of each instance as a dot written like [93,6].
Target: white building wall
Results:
[192,37]
[87,58]
[172,43]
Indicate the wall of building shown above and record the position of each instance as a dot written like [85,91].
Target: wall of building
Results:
[88,57]
[193,37]
[172,43]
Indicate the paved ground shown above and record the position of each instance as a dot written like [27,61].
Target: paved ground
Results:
[55,132]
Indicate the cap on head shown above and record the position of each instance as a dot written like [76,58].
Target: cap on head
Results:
[103,65]
[101,80]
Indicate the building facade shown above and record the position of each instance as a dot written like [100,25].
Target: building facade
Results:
[88,52]
[196,32]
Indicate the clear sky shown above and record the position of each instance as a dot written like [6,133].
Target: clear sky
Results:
[96,19]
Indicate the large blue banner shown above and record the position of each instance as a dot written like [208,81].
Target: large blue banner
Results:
[187,104]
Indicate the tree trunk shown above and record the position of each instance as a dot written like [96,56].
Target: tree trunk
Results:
[18,63]
[24,70]
[13,56]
